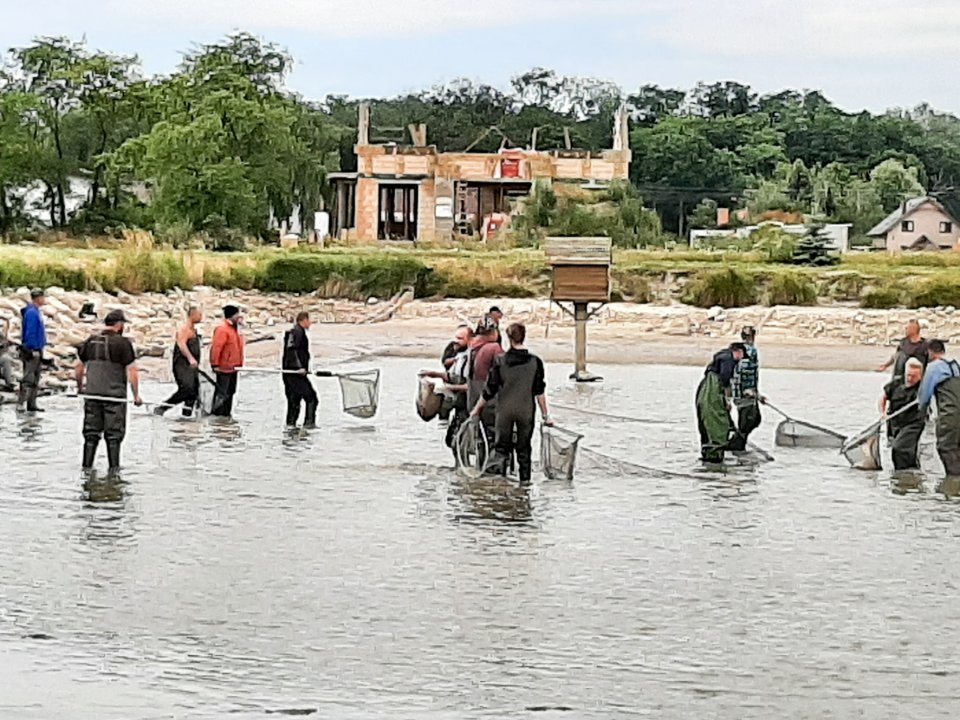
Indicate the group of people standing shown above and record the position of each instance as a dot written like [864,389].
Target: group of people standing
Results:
[498,389]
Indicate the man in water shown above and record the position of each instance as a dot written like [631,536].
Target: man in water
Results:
[942,380]
[33,339]
[496,314]
[745,391]
[106,363]
[186,366]
[6,361]
[713,403]
[455,382]
[517,381]
[296,356]
[912,346]
[484,350]
[455,346]
[905,429]
[226,355]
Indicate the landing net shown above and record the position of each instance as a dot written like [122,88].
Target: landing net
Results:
[471,449]
[558,452]
[360,392]
[209,400]
[863,451]
[796,433]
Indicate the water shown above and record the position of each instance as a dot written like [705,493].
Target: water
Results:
[241,572]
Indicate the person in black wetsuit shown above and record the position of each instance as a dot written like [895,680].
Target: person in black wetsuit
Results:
[186,366]
[905,429]
[517,381]
[106,363]
[296,356]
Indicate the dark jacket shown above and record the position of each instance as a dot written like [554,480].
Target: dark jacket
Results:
[899,395]
[723,365]
[296,349]
[516,378]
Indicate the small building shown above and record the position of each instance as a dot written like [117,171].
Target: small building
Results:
[919,224]
[838,234]
[414,192]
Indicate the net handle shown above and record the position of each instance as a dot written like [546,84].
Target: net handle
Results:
[778,411]
[871,428]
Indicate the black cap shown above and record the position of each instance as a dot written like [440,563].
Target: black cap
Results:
[114,317]
[37,292]
[230,311]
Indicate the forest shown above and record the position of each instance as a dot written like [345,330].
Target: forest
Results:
[222,145]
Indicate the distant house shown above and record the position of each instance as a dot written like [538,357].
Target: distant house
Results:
[918,224]
[837,234]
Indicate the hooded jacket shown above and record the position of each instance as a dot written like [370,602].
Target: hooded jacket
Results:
[516,378]
[226,352]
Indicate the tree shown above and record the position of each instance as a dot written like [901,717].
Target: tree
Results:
[704,215]
[814,248]
[895,183]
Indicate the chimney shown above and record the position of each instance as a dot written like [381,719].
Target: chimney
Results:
[903,207]
[363,124]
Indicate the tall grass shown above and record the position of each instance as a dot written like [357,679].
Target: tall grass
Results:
[728,288]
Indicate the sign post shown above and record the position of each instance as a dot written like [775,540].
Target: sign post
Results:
[581,277]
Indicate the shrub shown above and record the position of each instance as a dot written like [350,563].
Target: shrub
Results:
[242,277]
[844,286]
[775,244]
[933,293]
[727,288]
[633,287]
[345,276]
[790,288]
[882,298]
[16,273]
[470,287]
[139,270]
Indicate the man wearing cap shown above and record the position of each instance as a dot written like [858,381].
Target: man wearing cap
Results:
[106,363]
[484,350]
[33,339]
[745,391]
[942,380]
[226,355]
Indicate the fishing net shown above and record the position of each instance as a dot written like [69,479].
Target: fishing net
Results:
[471,448]
[209,400]
[360,392]
[796,433]
[558,452]
[862,451]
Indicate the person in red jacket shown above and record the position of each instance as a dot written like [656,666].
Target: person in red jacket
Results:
[226,355]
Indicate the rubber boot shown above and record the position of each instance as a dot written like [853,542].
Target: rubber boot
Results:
[293,412]
[89,452]
[310,416]
[113,457]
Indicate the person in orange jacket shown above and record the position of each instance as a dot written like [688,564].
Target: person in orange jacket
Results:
[226,355]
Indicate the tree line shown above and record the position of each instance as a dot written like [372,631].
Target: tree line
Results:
[223,146]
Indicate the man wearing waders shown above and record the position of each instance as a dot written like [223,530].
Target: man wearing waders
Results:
[455,383]
[905,429]
[296,356]
[484,350]
[186,366]
[912,346]
[518,384]
[745,391]
[106,363]
[33,339]
[713,403]
[226,355]
[942,381]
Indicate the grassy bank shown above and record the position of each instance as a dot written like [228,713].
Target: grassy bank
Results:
[697,278]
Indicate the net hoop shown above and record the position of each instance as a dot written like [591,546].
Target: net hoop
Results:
[558,452]
[471,449]
[360,392]
[797,433]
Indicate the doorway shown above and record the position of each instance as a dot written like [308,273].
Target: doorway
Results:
[398,212]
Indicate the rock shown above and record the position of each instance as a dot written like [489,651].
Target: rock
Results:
[123,297]
[55,292]
[373,300]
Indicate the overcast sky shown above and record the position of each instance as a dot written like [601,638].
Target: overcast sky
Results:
[872,54]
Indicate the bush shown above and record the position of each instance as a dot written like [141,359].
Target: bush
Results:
[844,286]
[470,287]
[16,273]
[933,293]
[775,244]
[791,288]
[139,271]
[882,298]
[727,288]
[382,275]
[633,287]
[242,277]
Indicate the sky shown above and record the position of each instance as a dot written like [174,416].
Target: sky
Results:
[874,55]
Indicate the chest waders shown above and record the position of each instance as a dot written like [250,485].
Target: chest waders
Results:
[101,418]
[948,421]
[516,415]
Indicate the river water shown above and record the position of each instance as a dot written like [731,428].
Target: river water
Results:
[242,572]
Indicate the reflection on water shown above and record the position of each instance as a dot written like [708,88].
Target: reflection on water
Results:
[239,569]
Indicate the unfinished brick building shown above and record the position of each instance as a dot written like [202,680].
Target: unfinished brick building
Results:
[413,192]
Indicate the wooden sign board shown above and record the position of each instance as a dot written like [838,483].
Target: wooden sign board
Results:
[581,268]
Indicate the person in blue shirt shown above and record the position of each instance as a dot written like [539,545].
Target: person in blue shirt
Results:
[942,381]
[33,339]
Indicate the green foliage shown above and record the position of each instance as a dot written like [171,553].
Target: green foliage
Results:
[895,183]
[16,274]
[632,286]
[775,244]
[704,215]
[472,287]
[882,298]
[791,288]
[139,270]
[727,288]
[936,292]
[241,277]
[358,277]
[814,249]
